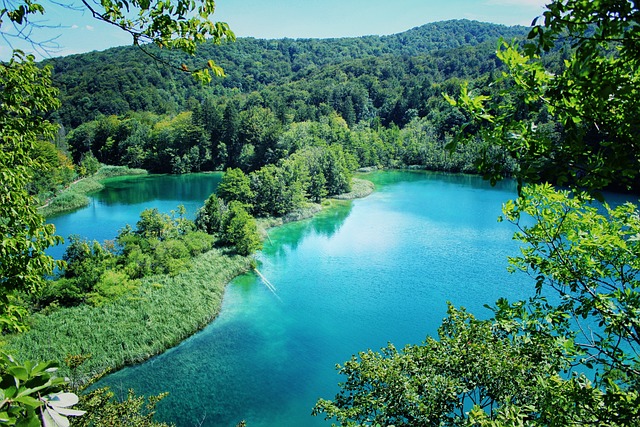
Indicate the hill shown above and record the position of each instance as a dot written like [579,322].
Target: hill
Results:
[119,80]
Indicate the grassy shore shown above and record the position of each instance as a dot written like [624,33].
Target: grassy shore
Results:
[164,311]
[75,196]
[359,188]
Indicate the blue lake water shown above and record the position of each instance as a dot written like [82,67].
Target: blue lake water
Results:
[376,270]
[123,199]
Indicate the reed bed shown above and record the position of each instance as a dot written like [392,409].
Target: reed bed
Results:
[113,171]
[165,311]
[65,201]
[75,196]
[359,188]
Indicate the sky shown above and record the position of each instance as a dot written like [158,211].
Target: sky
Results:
[75,31]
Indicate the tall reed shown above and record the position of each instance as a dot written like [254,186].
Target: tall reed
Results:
[165,311]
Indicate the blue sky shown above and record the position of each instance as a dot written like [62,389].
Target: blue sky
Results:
[77,32]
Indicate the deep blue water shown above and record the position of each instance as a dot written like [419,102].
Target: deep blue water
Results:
[376,270]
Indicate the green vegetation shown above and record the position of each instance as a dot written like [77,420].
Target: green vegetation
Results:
[160,313]
[75,195]
[359,188]
[569,355]
[24,233]
[291,123]
[106,172]
[30,394]
[67,201]
[373,75]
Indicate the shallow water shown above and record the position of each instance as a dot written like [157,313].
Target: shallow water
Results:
[374,270]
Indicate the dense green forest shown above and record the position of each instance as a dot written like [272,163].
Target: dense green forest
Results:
[372,101]
[120,80]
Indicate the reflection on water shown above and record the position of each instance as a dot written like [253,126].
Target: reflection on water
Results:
[123,199]
[375,270]
[140,190]
[325,223]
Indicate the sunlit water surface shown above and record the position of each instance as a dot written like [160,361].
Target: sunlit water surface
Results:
[376,270]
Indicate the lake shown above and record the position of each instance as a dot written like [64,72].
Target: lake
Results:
[376,270]
[124,198]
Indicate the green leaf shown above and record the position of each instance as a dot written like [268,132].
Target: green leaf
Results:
[62,400]
[29,401]
[19,372]
[52,419]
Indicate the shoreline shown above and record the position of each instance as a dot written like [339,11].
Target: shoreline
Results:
[165,311]
[75,196]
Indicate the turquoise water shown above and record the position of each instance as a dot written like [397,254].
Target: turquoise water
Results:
[375,270]
[123,199]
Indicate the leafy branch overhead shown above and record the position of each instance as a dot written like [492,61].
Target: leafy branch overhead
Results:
[174,25]
[180,25]
[32,393]
[593,95]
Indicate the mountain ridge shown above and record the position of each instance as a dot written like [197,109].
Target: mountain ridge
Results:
[123,79]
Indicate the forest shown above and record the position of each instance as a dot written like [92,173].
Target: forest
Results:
[290,123]
[370,101]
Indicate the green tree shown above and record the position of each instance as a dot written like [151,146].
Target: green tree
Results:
[593,95]
[279,189]
[240,229]
[473,364]
[236,186]
[26,95]
[209,216]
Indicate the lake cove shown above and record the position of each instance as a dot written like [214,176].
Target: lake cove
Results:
[122,200]
[375,270]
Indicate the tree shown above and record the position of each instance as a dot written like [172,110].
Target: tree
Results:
[240,229]
[583,259]
[472,364]
[279,189]
[209,217]
[594,97]
[589,257]
[26,95]
[235,186]
[180,25]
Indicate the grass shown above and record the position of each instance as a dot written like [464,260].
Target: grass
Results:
[112,171]
[65,201]
[359,188]
[164,311]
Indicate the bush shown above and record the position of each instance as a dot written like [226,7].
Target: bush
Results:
[67,201]
[112,285]
[241,230]
[198,242]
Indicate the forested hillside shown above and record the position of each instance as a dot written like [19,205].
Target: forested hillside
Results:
[367,101]
[120,80]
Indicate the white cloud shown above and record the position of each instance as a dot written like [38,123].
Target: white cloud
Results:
[74,27]
[89,27]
